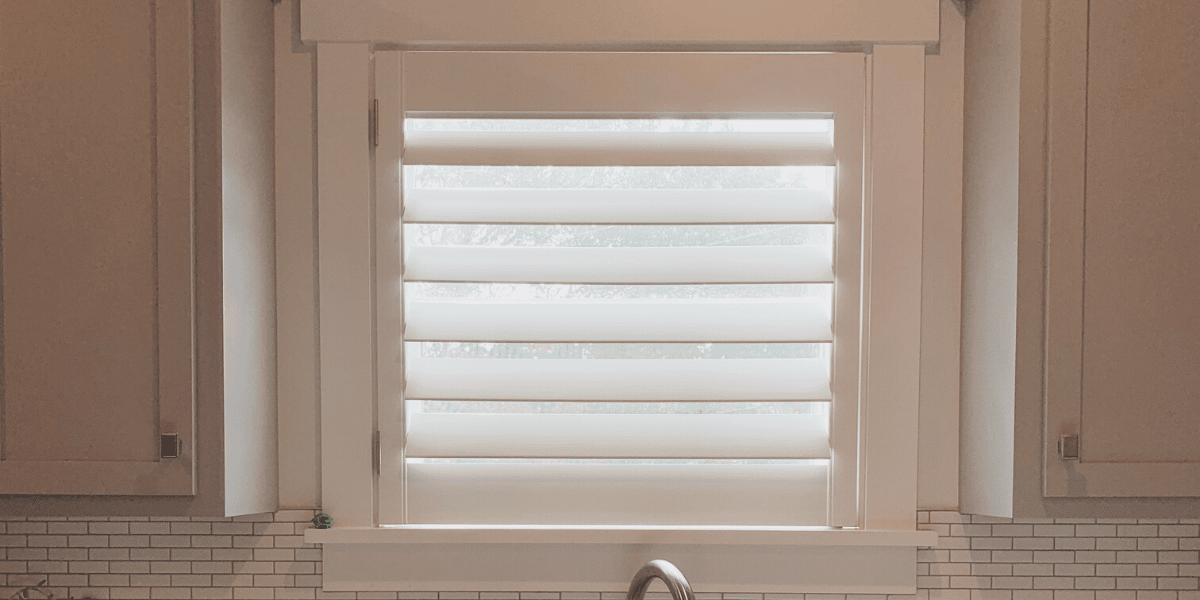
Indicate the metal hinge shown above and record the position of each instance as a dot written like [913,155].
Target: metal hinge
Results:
[1068,447]
[376,453]
[170,446]
[374,123]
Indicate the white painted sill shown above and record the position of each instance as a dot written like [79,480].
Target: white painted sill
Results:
[608,534]
[427,558]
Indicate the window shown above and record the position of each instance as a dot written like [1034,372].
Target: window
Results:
[383,544]
[612,317]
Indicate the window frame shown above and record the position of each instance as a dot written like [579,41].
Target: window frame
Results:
[891,340]
[485,83]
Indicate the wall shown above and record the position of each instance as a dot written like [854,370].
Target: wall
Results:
[264,557]
[248,254]
[990,260]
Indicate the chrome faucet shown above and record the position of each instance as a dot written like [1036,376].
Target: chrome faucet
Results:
[668,573]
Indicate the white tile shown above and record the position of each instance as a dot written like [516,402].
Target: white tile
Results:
[1012,583]
[970,582]
[1033,595]
[67,527]
[295,593]
[69,554]
[1177,583]
[1013,530]
[1053,556]
[46,541]
[1033,569]
[992,569]
[129,593]
[253,593]
[170,567]
[948,516]
[1095,556]
[991,543]
[1096,530]
[1179,531]
[941,594]
[1158,543]
[191,580]
[1116,570]
[1156,570]
[950,569]
[991,594]
[1137,530]
[983,519]
[1095,583]
[1137,583]
[151,528]
[1182,556]
[1074,595]
[1074,570]
[275,529]
[1053,530]
[170,541]
[1054,583]
[191,528]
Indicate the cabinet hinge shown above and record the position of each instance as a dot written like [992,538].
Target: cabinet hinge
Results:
[1068,447]
[376,453]
[170,446]
[373,117]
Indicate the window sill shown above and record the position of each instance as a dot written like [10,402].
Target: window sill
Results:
[553,534]
[602,559]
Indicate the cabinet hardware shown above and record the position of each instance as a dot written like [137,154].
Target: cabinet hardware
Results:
[376,453]
[1068,447]
[374,123]
[170,446]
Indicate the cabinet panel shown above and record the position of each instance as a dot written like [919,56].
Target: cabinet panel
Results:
[1124,248]
[1141,296]
[96,209]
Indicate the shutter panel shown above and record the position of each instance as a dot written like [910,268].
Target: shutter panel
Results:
[573,440]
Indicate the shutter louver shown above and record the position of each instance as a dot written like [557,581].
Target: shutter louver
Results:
[557,376]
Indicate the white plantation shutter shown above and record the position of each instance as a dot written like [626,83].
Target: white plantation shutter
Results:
[636,354]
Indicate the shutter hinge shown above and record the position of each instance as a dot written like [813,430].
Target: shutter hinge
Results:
[1068,447]
[374,123]
[376,453]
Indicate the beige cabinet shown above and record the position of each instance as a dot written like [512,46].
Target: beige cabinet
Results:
[1081,335]
[1123,317]
[119,205]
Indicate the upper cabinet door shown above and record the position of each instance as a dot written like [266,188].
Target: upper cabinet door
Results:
[96,202]
[1123,311]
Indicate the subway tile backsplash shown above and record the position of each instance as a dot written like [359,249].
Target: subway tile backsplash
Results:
[265,557]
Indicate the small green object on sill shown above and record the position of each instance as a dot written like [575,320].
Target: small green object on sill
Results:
[322,521]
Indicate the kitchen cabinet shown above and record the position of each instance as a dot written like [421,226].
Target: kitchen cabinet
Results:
[1081,299]
[136,191]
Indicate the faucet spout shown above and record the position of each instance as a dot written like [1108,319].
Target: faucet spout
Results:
[668,573]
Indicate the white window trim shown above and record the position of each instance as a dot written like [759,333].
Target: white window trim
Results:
[359,556]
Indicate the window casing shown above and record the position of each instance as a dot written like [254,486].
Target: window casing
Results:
[360,556]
